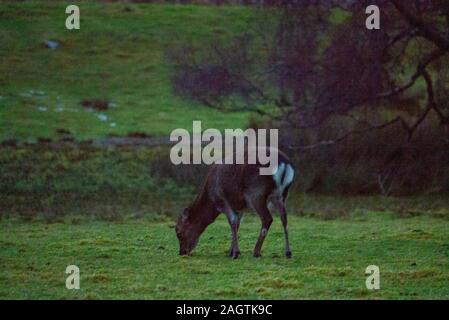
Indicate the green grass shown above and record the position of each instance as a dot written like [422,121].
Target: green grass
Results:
[110,210]
[118,54]
[137,258]
[106,211]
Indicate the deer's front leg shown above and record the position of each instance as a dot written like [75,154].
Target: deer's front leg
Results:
[234,222]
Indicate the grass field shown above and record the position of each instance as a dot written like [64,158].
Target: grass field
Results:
[119,54]
[107,212]
[111,210]
[137,259]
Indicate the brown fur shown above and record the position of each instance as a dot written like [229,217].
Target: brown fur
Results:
[231,188]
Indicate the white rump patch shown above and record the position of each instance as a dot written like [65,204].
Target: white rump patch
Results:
[277,175]
[287,176]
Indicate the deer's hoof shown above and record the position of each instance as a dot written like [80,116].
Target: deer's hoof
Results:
[257,255]
[235,254]
[288,254]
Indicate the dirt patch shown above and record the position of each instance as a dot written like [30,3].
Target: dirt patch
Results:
[96,104]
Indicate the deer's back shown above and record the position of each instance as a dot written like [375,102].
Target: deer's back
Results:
[235,183]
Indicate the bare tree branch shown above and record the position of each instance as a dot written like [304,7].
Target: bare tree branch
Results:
[427,30]
[420,69]
[398,119]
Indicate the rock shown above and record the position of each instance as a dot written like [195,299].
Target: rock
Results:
[52,44]
[102,117]
[37,93]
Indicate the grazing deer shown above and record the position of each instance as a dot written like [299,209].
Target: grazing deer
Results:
[231,188]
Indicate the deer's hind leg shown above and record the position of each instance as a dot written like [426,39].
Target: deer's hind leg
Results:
[260,206]
[278,202]
[283,210]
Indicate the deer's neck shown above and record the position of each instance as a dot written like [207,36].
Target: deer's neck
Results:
[203,211]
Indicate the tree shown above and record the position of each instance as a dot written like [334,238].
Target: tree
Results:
[315,61]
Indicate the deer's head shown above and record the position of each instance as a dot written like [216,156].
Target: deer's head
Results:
[187,233]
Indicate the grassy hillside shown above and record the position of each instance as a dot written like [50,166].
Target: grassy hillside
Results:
[111,210]
[118,55]
[110,183]
[138,259]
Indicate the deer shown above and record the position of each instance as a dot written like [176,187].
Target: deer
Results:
[230,189]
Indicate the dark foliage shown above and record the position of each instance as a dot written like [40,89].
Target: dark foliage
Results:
[327,83]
